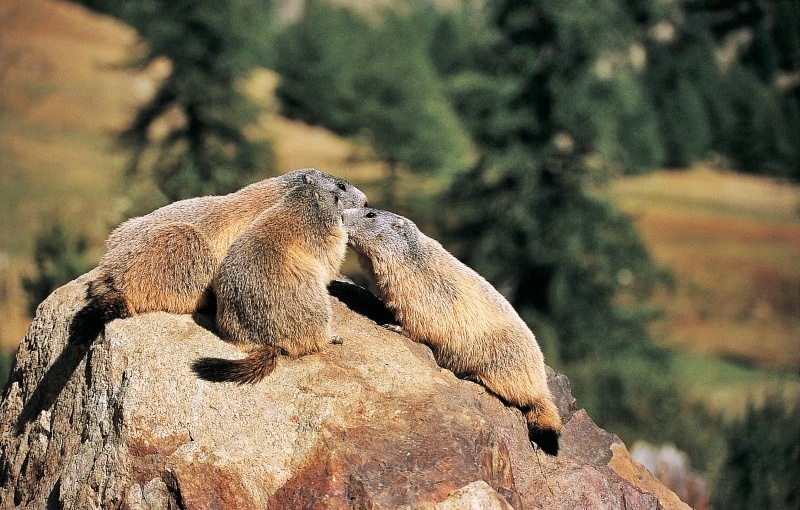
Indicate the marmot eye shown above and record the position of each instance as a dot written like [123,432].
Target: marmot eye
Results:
[371,214]
[341,186]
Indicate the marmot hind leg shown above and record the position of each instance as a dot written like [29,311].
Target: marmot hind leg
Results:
[308,342]
[171,272]
[541,414]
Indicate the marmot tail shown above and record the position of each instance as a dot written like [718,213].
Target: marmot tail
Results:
[544,425]
[251,369]
[104,304]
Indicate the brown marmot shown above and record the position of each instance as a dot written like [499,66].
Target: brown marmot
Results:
[471,328]
[166,260]
[271,287]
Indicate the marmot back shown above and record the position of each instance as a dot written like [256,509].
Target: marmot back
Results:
[271,287]
[471,328]
[166,260]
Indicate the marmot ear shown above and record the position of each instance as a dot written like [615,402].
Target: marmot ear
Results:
[398,224]
[307,179]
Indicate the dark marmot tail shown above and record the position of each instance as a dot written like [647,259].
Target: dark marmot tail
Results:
[544,425]
[249,370]
[104,304]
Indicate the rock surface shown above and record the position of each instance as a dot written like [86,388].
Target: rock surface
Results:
[373,423]
[674,469]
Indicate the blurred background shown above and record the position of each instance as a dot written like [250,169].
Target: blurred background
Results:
[626,172]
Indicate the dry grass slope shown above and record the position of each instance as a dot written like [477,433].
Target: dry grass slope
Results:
[734,243]
[59,99]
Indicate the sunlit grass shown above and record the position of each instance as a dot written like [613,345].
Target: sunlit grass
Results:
[727,387]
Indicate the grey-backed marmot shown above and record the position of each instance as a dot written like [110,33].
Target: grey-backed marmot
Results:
[471,328]
[271,287]
[165,260]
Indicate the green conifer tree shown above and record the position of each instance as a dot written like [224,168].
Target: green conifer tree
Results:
[372,80]
[744,105]
[319,58]
[762,461]
[211,46]
[548,105]
[60,255]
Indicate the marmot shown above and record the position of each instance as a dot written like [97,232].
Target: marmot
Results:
[271,287]
[471,328]
[166,260]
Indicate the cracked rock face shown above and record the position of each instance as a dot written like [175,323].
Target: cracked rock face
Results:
[372,423]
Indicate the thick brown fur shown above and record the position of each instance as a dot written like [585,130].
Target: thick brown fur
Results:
[271,287]
[166,260]
[471,328]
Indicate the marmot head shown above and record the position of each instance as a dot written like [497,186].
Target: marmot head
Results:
[348,195]
[314,202]
[381,234]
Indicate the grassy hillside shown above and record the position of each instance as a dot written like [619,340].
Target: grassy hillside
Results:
[60,98]
[733,241]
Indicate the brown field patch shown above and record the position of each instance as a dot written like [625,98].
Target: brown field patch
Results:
[704,188]
[733,242]
[62,96]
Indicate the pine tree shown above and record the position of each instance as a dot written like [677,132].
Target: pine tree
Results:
[60,255]
[211,46]
[5,370]
[548,104]
[744,106]
[319,58]
[372,80]
[764,138]
[405,114]
[762,462]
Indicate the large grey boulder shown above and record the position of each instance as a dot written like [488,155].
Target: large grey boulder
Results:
[373,423]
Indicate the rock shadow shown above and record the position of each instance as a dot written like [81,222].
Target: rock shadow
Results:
[361,301]
[52,383]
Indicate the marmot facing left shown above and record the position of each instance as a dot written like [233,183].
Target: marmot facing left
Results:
[271,287]
[471,328]
[165,260]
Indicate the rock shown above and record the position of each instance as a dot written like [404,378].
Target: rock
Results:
[373,423]
[674,469]
[474,495]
